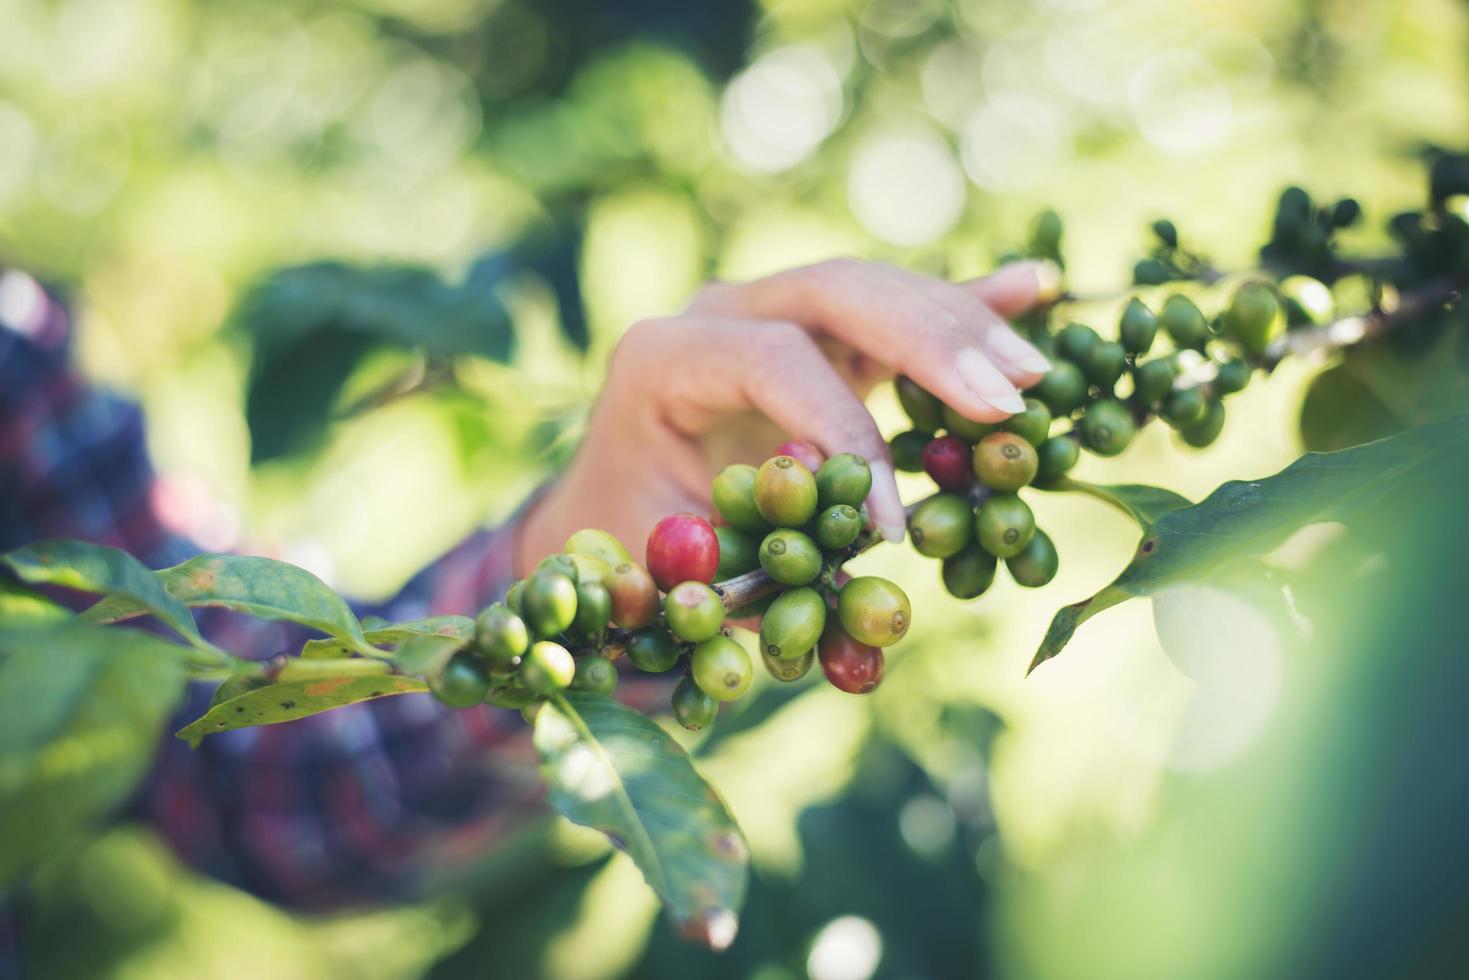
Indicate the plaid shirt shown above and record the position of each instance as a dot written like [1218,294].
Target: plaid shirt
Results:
[354,805]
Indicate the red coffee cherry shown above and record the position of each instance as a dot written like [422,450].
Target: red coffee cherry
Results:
[850,666]
[682,548]
[946,460]
[802,452]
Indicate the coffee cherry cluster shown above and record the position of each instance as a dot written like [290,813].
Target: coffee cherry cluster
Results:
[784,530]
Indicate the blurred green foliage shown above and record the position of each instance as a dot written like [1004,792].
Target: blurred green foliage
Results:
[458,205]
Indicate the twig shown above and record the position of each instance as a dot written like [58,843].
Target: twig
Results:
[1357,329]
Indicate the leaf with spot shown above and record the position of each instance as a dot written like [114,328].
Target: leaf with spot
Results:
[394,635]
[1144,504]
[612,769]
[1247,518]
[108,571]
[289,700]
[81,709]
[262,587]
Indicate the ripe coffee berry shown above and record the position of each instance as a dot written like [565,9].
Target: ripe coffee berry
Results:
[969,573]
[785,492]
[874,611]
[926,411]
[946,460]
[694,611]
[941,525]
[1004,525]
[838,526]
[734,498]
[1107,427]
[1036,565]
[593,609]
[850,666]
[547,668]
[634,595]
[595,674]
[721,668]
[1003,461]
[790,557]
[692,708]
[462,683]
[738,553]
[1033,424]
[549,602]
[1054,459]
[653,650]
[682,548]
[803,452]
[906,448]
[499,635]
[966,429]
[600,544]
[787,671]
[843,479]
[1206,430]
[1184,323]
[793,623]
[1063,389]
[1138,328]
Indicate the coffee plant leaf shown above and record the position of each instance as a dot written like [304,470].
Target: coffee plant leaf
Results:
[289,700]
[1245,518]
[1144,504]
[612,769]
[391,635]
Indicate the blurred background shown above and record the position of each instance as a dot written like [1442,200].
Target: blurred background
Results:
[354,256]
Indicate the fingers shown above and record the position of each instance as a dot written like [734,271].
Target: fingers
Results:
[932,331]
[703,367]
[1014,288]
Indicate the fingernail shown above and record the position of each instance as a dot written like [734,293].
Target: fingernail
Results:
[1016,351]
[987,382]
[1047,281]
[885,504]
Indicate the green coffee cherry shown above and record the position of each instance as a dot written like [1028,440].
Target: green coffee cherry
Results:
[1307,301]
[510,693]
[462,683]
[738,553]
[598,544]
[924,409]
[1036,564]
[1184,407]
[1167,232]
[564,564]
[694,611]
[790,557]
[590,568]
[1074,340]
[1138,327]
[692,708]
[653,650]
[1149,272]
[785,492]
[499,635]
[1063,389]
[1004,525]
[593,609]
[941,525]
[1107,427]
[546,668]
[549,602]
[514,596]
[787,671]
[1252,318]
[874,611]
[1033,424]
[721,668]
[1233,375]
[1045,233]
[1054,459]
[969,573]
[1003,461]
[1184,323]
[1152,380]
[734,498]
[843,479]
[906,448]
[793,623]
[595,674]
[1207,429]
[838,526]
[1104,363]
[966,429]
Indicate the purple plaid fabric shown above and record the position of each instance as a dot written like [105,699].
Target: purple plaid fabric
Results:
[351,806]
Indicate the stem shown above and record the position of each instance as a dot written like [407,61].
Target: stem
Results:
[1357,329]
[295,669]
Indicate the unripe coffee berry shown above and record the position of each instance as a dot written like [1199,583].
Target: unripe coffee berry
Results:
[946,461]
[1003,461]
[808,454]
[549,602]
[738,553]
[969,573]
[1184,323]
[1184,407]
[734,498]
[692,708]
[1233,375]
[923,408]
[1033,424]
[968,430]
[547,668]
[510,693]
[874,611]
[463,683]
[1104,363]
[1152,380]
[593,609]
[721,668]
[1307,301]
[653,650]
[1074,341]
[634,595]
[906,449]
[941,525]
[838,526]
[595,674]
[694,611]
[787,671]
[1004,525]
[843,479]
[1054,459]
[1063,389]
[785,492]
[1036,565]
[850,666]
[589,568]
[1138,327]
[564,564]
[513,597]
[1253,317]
[499,635]
[598,543]
[793,623]
[790,557]
[1107,427]
[683,548]
[1207,429]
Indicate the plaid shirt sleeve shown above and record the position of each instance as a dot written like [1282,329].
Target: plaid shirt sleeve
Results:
[354,805]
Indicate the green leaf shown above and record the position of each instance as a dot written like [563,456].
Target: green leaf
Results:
[22,607]
[290,700]
[1244,518]
[612,769]
[1144,504]
[394,634]
[81,709]
[262,587]
[109,571]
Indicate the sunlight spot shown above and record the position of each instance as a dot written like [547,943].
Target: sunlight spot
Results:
[1014,141]
[777,111]
[848,948]
[927,825]
[1180,103]
[905,187]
